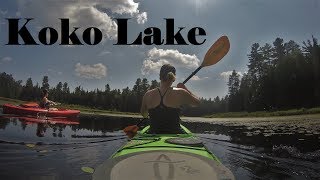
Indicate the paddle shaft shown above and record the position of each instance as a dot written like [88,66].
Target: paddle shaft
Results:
[140,121]
[192,74]
[138,124]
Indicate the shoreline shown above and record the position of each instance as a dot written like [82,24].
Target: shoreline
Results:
[186,118]
[234,116]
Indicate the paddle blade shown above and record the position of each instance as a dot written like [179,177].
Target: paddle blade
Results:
[216,52]
[131,131]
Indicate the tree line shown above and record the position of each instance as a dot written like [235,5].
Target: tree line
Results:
[280,76]
[125,100]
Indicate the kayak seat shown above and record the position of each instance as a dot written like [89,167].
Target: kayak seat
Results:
[30,105]
[185,142]
[178,131]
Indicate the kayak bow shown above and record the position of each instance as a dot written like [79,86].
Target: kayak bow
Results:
[163,156]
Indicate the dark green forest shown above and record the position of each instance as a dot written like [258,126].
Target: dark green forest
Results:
[281,75]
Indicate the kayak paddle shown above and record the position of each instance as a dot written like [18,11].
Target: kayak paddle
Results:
[132,130]
[216,52]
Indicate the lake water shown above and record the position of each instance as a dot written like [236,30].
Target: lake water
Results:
[251,148]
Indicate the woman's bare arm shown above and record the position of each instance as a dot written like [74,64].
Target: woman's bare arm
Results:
[187,96]
[144,109]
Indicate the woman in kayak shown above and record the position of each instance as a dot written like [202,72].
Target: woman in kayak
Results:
[45,102]
[163,103]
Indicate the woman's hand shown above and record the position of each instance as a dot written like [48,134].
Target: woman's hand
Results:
[181,85]
[131,131]
[54,103]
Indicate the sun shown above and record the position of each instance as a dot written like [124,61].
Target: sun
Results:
[199,5]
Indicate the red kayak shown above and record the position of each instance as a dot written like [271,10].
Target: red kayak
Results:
[37,111]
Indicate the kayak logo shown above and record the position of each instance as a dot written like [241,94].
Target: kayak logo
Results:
[19,34]
[164,159]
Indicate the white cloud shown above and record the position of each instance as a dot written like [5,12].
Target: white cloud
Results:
[142,18]
[103,53]
[119,6]
[81,13]
[157,57]
[87,16]
[6,59]
[225,75]
[95,71]
[150,66]
[197,78]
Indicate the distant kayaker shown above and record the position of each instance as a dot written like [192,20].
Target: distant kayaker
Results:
[45,102]
[163,104]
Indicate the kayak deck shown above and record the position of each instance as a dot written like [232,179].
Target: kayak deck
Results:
[162,156]
[151,142]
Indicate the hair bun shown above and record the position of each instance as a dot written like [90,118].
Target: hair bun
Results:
[171,77]
[167,73]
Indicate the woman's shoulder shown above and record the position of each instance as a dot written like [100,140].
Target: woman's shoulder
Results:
[154,91]
[151,91]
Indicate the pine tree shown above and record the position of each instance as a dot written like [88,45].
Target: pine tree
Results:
[45,83]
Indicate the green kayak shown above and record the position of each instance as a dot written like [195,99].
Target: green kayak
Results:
[162,157]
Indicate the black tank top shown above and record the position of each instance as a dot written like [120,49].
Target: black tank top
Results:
[164,119]
[42,104]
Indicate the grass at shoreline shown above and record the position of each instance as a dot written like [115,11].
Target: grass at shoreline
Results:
[88,110]
[4,100]
[290,112]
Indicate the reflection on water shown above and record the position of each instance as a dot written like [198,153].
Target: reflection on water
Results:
[264,150]
[251,151]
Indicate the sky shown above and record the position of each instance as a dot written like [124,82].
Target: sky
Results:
[244,22]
